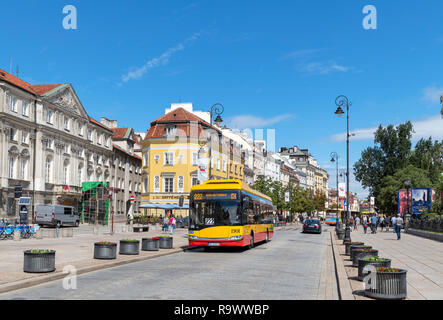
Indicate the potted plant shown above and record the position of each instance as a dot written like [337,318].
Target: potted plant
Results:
[151,244]
[375,261]
[39,260]
[165,242]
[129,246]
[356,247]
[387,283]
[105,250]
[349,244]
[362,253]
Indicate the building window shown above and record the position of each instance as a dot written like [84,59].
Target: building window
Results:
[145,159]
[90,135]
[195,159]
[49,116]
[13,103]
[168,159]
[224,165]
[80,129]
[48,143]
[12,134]
[168,184]
[24,137]
[180,184]
[24,108]
[11,167]
[156,184]
[171,131]
[218,164]
[24,167]
[145,185]
[195,181]
[48,166]
[79,175]
[99,139]
[66,123]
[65,172]
[107,142]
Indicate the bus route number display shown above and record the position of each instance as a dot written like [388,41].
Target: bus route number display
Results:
[215,196]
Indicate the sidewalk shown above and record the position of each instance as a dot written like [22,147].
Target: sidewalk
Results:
[422,258]
[76,251]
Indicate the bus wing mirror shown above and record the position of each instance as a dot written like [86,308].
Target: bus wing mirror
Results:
[246,202]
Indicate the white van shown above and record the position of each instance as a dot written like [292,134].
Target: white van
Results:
[56,215]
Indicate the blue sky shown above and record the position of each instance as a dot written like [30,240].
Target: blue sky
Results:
[272,64]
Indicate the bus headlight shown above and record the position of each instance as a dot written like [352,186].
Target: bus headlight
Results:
[193,237]
[236,238]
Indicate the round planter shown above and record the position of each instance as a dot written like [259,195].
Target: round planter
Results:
[388,285]
[362,264]
[39,262]
[359,253]
[151,244]
[165,242]
[349,244]
[105,251]
[355,247]
[129,247]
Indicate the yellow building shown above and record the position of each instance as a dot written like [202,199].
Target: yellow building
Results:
[170,153]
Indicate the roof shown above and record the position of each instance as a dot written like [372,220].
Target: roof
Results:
[119,133]
[99,124]
[42,89]
[124,151]
[17,82]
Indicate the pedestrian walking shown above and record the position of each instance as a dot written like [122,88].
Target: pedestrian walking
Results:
[393,223]
[398,225]
[172,221]
[365,226]
[357,222]
[382,223]
[374,224]
[351,221]
[165,223]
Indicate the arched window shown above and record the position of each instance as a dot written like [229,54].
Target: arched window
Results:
[11,167]
[24,169]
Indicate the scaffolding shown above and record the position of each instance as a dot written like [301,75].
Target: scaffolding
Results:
[95,203]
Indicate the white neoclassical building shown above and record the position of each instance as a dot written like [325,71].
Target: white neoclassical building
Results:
[48,145]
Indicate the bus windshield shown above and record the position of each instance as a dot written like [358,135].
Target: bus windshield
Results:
[214,213]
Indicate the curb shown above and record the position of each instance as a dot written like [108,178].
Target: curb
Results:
[343,284]
[57,275]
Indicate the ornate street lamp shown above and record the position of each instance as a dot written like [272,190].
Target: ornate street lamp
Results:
[407,185]
[334,158]
[217,109]
[342,101]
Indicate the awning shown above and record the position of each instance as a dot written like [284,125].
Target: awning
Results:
[168,206]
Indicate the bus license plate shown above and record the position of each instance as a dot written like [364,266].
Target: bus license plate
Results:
[213,244]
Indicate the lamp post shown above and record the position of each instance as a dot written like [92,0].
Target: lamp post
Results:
[334,158]
[216,109]
[341,101]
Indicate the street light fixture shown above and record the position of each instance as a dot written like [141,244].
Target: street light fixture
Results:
[342,101]
[407,185]
[216,109]
[334,158]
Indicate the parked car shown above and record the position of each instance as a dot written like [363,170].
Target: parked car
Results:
[312,225]
[56,215]
[182,223]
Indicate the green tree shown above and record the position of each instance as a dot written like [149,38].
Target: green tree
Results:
[388,197]
[428,155]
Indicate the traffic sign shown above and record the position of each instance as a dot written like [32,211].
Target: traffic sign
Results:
[132,198]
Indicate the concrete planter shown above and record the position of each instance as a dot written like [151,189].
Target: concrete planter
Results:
[356,247]
[39,262]
[388,285]
[362,264]
[165,242]
[349,244]
[129,247]
[105,251]
[151,244]
[360,253]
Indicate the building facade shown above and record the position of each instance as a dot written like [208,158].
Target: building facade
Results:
[48,145]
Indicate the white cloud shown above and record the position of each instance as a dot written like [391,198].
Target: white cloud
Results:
[322,67]
[161,60]
[251,121]
[432,94]
[301,53]
[429,127]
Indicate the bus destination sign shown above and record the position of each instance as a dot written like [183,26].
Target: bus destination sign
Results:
[215,196]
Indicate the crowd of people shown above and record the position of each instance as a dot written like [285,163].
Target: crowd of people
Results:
[378,221]
[169,222]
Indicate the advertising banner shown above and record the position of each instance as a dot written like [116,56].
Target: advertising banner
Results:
[341,189]
[203,168]
[421,200]
[403,201]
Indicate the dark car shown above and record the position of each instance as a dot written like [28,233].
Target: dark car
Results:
[183,222]
[312,225]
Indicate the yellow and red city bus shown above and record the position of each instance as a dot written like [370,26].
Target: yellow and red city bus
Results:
[229,213]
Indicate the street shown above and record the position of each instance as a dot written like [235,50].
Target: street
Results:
[291,266]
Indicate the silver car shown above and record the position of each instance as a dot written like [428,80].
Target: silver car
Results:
[56,215]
